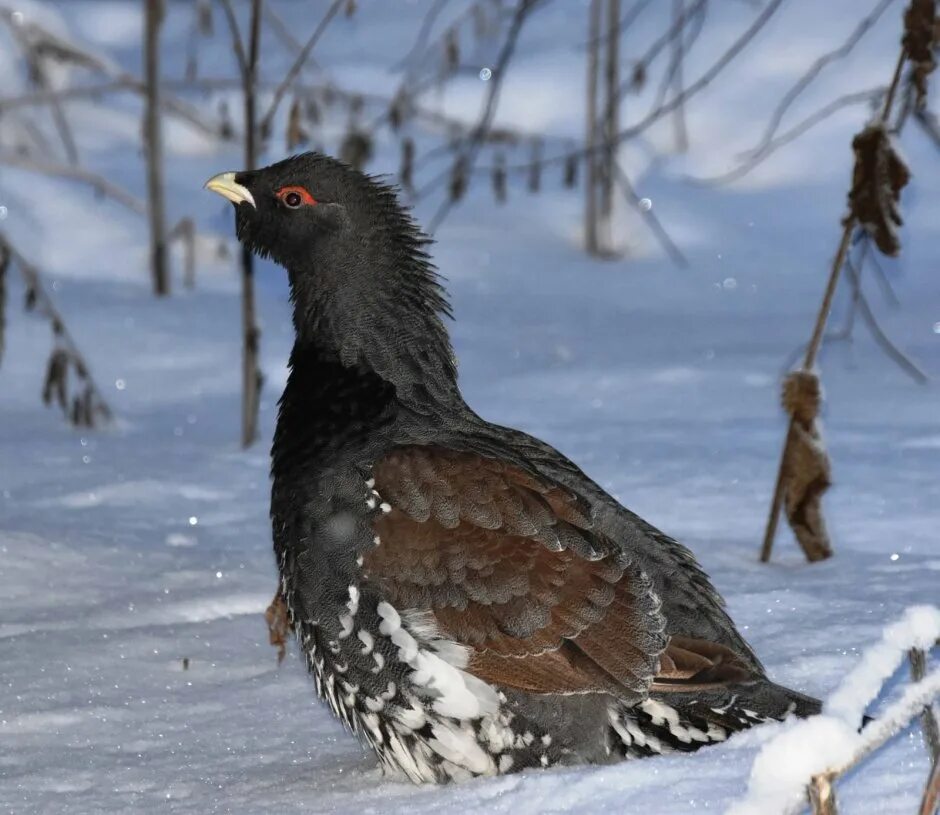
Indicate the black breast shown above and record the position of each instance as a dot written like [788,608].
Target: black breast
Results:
[328,410]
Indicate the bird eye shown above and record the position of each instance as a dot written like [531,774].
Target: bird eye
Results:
[295,197]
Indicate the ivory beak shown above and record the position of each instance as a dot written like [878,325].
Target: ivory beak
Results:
[225,185]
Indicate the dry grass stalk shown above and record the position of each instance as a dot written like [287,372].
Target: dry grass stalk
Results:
[4,268]
[930,803]
[153,149]
[822,795]
[877,180]
[85,406]
[808,470]
[296,132]
[592,134]
[185,233]
[929,723]
[247,54]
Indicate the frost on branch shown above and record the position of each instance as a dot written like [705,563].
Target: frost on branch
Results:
[829,744]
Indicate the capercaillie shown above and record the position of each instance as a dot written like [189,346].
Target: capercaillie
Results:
[468,601]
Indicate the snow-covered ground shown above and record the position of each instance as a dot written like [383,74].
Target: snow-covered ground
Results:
[124,552]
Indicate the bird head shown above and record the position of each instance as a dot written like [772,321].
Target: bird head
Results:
[361,280]
[294,210]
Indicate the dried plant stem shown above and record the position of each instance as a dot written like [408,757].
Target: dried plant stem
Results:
[55,106]
[649,216]
[929,723]
[929,124]
[624,23]
[100,184]
[420,43]
[678,57]
[822,795]
[248,66]
[298,64]
[591,242]
[930,803]
[896,354]
[819,327]
[792,134]
[611,121]
[893,719]
[282,30]
[866,24]
[185,232]
[43,304]
[809,360]
[153,148]
[667,107]
[472,147]
[251,373]
[123,83]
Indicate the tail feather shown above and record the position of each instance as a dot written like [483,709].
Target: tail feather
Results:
[684,721]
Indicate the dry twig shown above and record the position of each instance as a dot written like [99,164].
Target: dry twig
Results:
[87,407]
[812,349]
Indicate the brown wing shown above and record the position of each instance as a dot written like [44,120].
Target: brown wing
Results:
[509,565]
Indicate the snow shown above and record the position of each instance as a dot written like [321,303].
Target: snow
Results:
[833,740]
[126,551]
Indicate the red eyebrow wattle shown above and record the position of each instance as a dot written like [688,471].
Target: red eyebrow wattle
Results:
[305,196]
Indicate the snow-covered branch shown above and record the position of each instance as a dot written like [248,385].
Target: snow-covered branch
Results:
[830,744]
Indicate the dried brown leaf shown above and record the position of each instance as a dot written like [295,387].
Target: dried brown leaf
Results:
[879,176]
[920,36]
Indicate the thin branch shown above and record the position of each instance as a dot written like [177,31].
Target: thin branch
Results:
[99,183]
[893,719]
[58,114]
[649,216]
[625,22]
[672,76]
[931,800]
[298,64]
[895,353]
[122,83]
[45,305]
[813,71]
[929,724]
[812,348]
[881,276]
[676,29]
[472,148]
[282,30]
[427,24]
[658,112]
[791,135]
[237,44]
[929,124]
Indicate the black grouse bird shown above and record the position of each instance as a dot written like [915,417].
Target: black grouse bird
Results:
[469,602]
